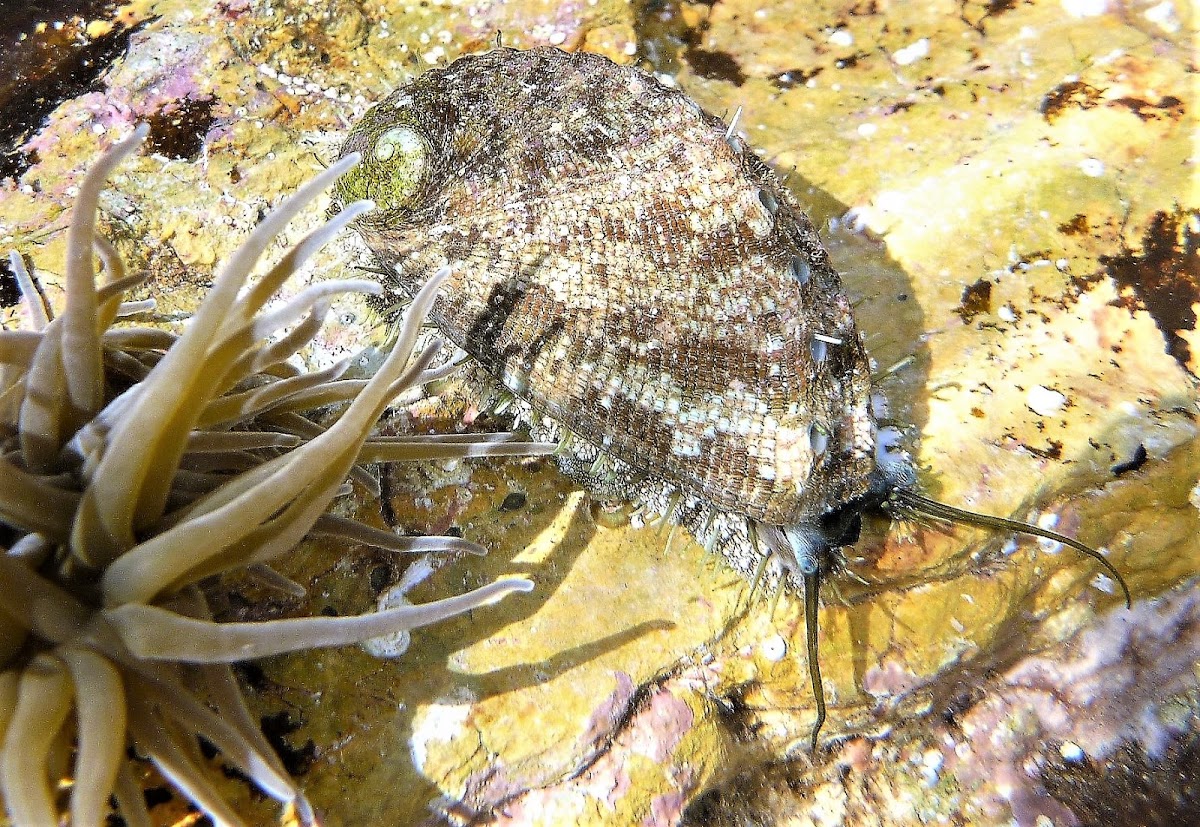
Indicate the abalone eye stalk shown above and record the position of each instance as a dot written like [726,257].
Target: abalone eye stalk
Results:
[942,511]
[803,550]
[812,589]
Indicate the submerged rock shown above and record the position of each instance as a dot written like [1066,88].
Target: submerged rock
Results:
[1006,215]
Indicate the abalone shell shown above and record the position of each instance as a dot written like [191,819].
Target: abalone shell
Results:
[625,264]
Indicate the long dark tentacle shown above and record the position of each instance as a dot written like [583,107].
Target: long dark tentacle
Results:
[812,588]
[933,508]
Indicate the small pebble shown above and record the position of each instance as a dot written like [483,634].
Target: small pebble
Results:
[912,52]
[1045,401]
[1071,752]
[513,501]
[774,648]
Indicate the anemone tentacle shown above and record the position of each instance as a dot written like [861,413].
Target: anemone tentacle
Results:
[149,461]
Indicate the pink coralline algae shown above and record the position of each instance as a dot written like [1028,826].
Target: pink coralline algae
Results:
[1107,690]
[649,732]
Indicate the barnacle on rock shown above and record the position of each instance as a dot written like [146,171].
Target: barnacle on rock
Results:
[133,464]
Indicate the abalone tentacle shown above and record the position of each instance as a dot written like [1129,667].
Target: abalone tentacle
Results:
[628,271]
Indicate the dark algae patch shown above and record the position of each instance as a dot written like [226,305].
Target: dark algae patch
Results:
[1163,277]
[10,294]
[715,65]
[277,728]
[976,299]
[1077,225]
[178,131]
[1073,94]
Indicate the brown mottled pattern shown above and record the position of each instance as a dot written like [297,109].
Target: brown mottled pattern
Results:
[629,272]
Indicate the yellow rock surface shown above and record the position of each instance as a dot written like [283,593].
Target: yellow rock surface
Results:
[989,175]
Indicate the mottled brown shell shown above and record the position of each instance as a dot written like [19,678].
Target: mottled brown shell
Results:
[629,269]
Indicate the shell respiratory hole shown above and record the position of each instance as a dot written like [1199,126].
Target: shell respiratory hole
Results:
[623,264]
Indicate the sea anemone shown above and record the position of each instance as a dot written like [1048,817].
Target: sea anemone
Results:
[135,463]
